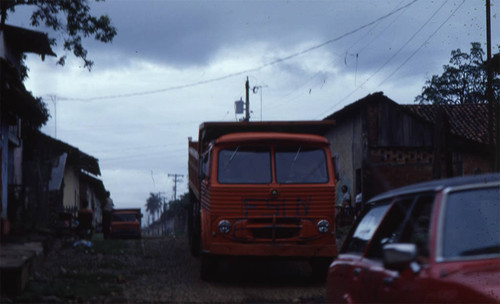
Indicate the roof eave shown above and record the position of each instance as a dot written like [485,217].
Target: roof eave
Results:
[27,41]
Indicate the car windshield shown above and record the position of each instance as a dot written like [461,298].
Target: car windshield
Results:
[300,165]
[124,217]
[244,165]
[365,229]
[471,223]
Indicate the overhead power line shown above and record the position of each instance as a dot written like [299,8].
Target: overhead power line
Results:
[423,43]
[399,50]
[271,63]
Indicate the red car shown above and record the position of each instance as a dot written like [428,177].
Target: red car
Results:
[433,242]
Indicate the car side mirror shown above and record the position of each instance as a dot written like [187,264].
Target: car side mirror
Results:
[398,256]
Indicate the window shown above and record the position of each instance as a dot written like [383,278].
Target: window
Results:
[204,164]
[300,165]
[244,165]
[366,228]
[471,223]
[407,221]
[388,231]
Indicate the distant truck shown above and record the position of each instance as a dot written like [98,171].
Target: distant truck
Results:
[262,189]
[126,223]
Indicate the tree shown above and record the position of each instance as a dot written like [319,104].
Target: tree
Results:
[153,204]
[78,23]
[178,207]
[463,80]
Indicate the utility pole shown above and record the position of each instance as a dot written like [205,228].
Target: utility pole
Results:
[492,104]
[247,101]
[162,210]
[54,101]
[177,178]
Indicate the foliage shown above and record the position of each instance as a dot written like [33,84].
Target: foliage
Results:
[153,203]
[78,23]
[463,80]
[178,207]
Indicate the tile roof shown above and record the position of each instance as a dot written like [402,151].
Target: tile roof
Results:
[466,120]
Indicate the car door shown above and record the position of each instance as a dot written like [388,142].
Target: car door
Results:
[346,281]
[407,223]
[368,273]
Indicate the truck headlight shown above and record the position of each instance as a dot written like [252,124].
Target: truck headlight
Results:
[323,226]
[224,226]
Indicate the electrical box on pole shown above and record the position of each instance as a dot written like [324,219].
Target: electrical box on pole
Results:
[239,106]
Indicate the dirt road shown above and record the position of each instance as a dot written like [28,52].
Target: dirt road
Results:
[162,270]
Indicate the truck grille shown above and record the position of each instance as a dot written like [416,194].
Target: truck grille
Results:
[274,228]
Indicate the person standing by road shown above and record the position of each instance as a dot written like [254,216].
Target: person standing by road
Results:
[344,210]
[85,219]
[346,197]
[106,215]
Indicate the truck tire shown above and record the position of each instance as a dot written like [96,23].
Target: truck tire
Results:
[319,268]
[208,266]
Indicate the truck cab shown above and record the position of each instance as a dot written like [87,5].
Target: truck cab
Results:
[269,194]
[126,223]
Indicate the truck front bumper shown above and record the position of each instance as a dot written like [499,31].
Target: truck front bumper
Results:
[274,249]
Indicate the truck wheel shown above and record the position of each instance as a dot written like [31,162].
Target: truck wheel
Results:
[208,266]
[319,267]
[194,243]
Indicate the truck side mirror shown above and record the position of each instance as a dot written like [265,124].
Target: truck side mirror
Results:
[201,169]
[398,256]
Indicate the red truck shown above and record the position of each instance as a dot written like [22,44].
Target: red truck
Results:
[126,223]
[262,189]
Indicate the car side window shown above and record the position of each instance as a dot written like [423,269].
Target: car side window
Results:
[389,230]
[471,228]
[417,227]
[407,221]
[366,227]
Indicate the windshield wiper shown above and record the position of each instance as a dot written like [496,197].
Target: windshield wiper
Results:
[297,154]
[234,154]
[231,157]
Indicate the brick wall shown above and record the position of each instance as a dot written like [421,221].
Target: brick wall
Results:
[391,168]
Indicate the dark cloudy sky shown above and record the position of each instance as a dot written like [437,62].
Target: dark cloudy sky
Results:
[175,64]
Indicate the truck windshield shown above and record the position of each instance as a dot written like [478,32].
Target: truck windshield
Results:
[244,165]
[124,217]
[300,165]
